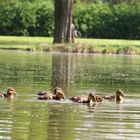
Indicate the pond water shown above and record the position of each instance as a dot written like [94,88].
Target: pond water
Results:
[26,118]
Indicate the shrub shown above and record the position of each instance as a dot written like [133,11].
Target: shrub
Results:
[108,21]
[94,20]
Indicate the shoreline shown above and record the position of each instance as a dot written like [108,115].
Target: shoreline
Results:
[95,46]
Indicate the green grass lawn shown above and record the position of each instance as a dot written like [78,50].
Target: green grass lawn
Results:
[22,39]
[80,45]
[24,43]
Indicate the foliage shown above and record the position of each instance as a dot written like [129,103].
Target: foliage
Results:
[16,17]
[95,19]
[26,17]
[110,1]
[44,20]
[105,21]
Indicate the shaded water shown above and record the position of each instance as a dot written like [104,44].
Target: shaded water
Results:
[26,118]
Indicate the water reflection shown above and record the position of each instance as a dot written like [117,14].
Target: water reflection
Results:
[61,71]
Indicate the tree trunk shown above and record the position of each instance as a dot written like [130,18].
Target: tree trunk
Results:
[63,21]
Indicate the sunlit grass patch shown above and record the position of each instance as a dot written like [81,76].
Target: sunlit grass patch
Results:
[24,40]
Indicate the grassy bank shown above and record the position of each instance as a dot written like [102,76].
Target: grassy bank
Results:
[81,45]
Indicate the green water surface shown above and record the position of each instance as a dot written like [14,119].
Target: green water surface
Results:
[27,118]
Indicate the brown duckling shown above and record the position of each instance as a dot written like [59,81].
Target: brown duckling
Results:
[57,94]
[10,93]
[118,97]
[92,97]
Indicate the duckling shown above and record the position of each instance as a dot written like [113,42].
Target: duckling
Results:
[118,97]
[96,98]
[92,97]
[57,94]
[10,93]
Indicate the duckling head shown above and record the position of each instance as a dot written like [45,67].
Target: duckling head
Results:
[11,91]
[60,94]
[92,97]
[56,89]
[119,95]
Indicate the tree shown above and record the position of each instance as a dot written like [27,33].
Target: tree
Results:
[63,21]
